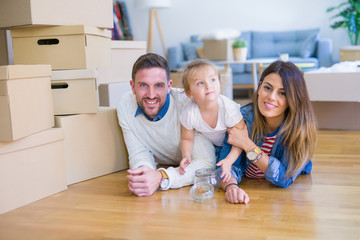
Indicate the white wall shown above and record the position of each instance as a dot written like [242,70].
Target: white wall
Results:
[187,17]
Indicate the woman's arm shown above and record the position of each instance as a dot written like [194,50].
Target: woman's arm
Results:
[277,169]
[233,193]
[273,168]
[240,138]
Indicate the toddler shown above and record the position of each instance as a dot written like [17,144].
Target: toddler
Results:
[209,113]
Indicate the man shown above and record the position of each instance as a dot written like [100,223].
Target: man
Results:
[149,118]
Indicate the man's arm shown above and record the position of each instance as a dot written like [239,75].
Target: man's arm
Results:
[143,177]
[139,155]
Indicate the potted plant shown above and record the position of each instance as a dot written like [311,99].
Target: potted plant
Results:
[350,19]
[240,49]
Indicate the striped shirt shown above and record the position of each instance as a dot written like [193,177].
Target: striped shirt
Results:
[253,171]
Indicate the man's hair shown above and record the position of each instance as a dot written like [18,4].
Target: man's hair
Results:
[150,60]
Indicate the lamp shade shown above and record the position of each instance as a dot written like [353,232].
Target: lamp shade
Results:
[153,3]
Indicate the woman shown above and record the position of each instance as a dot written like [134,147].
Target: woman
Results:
[281,132]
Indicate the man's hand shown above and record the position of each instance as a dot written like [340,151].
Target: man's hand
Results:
[143,181]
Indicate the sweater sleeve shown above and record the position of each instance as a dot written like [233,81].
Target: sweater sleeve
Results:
[139,155]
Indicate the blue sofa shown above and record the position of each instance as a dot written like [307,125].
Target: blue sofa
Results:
[303,46]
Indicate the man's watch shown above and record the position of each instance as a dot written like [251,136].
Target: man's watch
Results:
[254,153]
[164,184]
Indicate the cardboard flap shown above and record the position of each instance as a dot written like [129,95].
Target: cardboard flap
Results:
[41,138]
[59,30]
[73,74]
[9,72]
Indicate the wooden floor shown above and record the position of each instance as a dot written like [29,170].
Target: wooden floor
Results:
[322,205]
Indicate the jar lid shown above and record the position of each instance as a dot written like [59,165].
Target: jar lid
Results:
[205,172]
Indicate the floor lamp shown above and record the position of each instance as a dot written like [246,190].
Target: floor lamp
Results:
[153,5]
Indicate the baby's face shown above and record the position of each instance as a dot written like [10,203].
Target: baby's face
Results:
[204,84]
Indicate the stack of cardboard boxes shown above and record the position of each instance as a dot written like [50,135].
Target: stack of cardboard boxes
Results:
[32,162]
[52,132]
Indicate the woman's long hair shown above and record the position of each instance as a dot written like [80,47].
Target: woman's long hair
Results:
[299,128]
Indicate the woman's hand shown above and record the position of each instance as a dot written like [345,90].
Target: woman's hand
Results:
[239,137]
[234,194]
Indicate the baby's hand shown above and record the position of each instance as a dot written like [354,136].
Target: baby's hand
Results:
[226,168]
[183,164]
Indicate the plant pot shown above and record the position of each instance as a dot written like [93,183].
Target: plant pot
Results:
[240,54]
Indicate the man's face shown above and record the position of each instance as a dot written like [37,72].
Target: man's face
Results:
[151,87]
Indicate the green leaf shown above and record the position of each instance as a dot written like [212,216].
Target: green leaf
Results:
[348,16]
[330,9]
[340,24]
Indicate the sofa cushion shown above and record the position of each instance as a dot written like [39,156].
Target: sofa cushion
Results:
[295,43]
[195,38]
[189,50]
[309,45]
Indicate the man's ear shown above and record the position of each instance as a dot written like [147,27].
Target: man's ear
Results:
[132,84]
[169,85]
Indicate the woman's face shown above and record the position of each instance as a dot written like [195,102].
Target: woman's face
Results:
[272,100]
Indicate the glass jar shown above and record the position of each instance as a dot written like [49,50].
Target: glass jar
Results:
[202,191]
[207,175]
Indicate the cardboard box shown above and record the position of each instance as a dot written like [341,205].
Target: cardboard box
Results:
[123,56]
[110,93]
[335,99]
[74,91]
[31,168]
[94,145]
[51,12]
[339,87]
[26,104]
[337,115]
[350,53]
[218,49]
[63,47]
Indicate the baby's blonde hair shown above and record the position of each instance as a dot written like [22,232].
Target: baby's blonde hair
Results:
[191,67]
